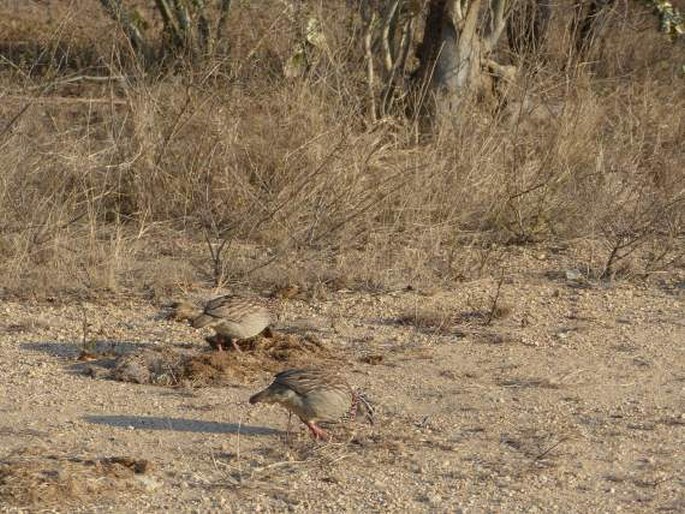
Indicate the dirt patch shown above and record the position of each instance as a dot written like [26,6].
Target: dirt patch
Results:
[30,478]
[571,403]
[169,367]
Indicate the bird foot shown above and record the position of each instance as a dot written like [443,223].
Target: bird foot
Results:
[216,342]
[318,432]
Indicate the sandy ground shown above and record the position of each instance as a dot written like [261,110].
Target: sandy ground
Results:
[571,400]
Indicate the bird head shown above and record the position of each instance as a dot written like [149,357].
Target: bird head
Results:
[275,393]
[183,311]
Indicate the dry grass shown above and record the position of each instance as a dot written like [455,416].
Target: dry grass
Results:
[30,478]
[231,173]
[429,319]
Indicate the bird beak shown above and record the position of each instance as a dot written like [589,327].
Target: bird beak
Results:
[255,398]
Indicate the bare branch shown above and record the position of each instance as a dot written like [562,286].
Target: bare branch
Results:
[368,48]
[119,14]
[388,22]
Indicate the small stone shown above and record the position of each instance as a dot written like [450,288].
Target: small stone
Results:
[416,468]
[435,500]
[573,275]
[149,483]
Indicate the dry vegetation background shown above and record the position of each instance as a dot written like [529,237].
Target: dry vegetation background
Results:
[118,185]
[508,287]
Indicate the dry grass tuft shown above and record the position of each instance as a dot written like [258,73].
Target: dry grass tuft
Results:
[32,479]
[373,359]
[443,320]
[429,319]
[484,316]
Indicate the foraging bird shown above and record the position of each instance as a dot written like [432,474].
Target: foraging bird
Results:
[232,318]
[316,396]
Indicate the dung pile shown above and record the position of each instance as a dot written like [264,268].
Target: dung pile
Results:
[168,367]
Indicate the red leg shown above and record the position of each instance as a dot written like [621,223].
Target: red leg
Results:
[353,408]
[287,430]
[235,345]
[317,431]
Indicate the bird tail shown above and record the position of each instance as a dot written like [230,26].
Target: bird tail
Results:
[363,407]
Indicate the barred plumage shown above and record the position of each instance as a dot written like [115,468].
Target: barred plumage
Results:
[316,396]
[232,318]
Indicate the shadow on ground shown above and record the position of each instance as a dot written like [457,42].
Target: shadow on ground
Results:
[66,349]
[180,425]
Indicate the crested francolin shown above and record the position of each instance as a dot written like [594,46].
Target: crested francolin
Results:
[232,318]
[316,396]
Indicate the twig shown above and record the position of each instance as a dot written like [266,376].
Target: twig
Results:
[561,441]
[493,307]
[65,99]
[43,225]
[15,118]
[84,331]
[217,262]
[78,78]
[276,465]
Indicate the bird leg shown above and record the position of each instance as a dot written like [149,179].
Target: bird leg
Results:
[216,342]
[287,430]
[353,408]
[235,345]
[317,431]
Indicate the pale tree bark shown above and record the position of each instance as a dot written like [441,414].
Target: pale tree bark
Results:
[455,53]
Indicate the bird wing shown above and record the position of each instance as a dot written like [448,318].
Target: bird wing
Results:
[223,307]
[231,308]
[212,312]
[214,306]
[305,381]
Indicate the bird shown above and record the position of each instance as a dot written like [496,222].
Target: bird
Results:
[316,396]
[232,317]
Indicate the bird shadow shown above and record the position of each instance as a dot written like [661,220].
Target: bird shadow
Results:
[71,350]
[180,425]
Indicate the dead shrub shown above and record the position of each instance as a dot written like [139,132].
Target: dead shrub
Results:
[112,185]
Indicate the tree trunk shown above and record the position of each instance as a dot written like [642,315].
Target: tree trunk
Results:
[432,42]
[451,55]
